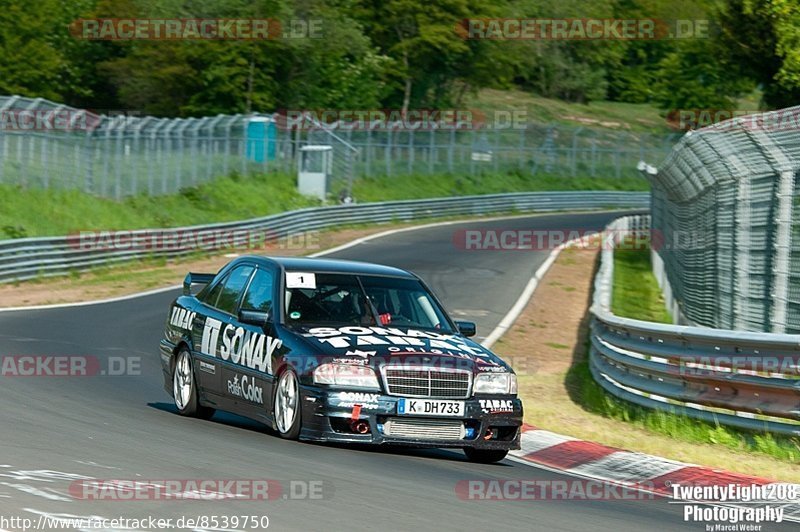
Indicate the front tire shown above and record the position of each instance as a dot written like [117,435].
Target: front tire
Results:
[483,456]
[286,406]
[184,388]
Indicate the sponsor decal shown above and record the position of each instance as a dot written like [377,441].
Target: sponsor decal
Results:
[182,318]
[364,406]
[358,397]
[407,340]
[359,353]
[246,389]
[488,365]
[496,406]
[492,369]
[208,368]
[360,400]
[238,345]
[352,361]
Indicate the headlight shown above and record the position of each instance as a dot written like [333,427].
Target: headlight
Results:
[346,375]
[496,383]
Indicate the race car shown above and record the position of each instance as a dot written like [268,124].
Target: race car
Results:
[337,351]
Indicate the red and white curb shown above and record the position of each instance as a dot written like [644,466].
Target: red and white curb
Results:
[594,461]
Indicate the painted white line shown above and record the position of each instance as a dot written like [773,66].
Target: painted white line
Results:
[342,247]
[31,490]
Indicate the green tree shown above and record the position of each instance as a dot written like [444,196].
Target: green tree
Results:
[431,64]
[35,49]
[694,76]
[761,38]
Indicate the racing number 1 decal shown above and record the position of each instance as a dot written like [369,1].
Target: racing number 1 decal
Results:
[301,280]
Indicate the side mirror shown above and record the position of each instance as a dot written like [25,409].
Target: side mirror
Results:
[258,318]
[467,328]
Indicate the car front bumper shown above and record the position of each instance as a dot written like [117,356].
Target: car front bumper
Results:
[488,422]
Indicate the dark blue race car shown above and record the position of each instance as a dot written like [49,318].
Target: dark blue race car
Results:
[330,350]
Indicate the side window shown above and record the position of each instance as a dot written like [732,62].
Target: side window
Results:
[210,297]
[259,293]
[234,285]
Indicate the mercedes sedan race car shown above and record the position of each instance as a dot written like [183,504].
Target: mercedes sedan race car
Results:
[330,350]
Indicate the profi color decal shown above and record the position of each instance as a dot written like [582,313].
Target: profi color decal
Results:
[181,318]
[240,346]
[347,337]
[246,389]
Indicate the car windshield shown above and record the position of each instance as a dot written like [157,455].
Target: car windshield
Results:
[335,299]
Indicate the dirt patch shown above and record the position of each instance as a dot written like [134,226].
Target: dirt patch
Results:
[550,335]
[144,275]
[543,338]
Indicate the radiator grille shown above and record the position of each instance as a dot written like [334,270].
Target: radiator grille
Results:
[424,382]
[425,429]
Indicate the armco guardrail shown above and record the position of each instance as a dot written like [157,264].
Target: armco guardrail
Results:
[743,379]
[28,258]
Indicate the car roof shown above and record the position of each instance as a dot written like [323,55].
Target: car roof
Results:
[319,265]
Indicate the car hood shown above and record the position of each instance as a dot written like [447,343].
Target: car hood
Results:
[382,346]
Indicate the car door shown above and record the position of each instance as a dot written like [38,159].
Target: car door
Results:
[252,382]
[212,337]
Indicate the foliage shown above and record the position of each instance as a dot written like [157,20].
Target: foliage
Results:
[396,54]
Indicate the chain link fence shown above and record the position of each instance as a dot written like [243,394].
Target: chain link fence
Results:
[723,206]
[48,145]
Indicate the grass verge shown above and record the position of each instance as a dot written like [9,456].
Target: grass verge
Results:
[32,212]
[636,293]
[588,394]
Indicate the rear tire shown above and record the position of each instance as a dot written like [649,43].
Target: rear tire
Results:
[184,388]
[286,406]
[483,456]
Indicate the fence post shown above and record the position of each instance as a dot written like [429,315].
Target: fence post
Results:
[450,149]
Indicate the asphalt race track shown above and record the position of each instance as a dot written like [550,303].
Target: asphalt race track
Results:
[58,430]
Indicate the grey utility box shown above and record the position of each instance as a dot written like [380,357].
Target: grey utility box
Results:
[314,170]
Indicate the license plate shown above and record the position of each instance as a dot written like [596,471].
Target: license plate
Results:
[429,407]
